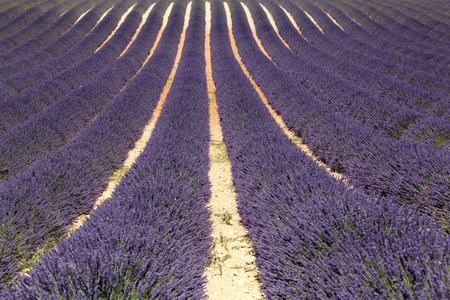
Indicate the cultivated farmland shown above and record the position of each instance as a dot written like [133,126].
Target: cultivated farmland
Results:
[224,149]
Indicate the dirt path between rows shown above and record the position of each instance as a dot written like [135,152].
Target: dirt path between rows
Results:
[140,144]
[122,19]
[272,22]
[291,18]
[334,21]
[313,20]
[144,19]
[78,20]
[292,136]
[232,273]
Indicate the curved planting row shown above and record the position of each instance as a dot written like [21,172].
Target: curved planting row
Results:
[416,19]
[151,239]
[24,18]
[346,96]
[360,33]
[11,8]
[363,42]
[15,8]
[61,120]
[349,99]
[368,96]
[61,45]
[414,31]
[41,203]
[14,38]
[29,45]
[376,34]
[76,64]
[429,9]
[383,70]
[404,171]
[348,15]
[313,238]
[19,107]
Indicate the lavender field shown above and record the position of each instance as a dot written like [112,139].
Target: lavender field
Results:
[224,149]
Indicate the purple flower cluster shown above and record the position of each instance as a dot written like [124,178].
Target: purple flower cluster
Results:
[151,240]
[313,237]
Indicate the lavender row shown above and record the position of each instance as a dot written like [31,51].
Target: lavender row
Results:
[359,39]
[9,9]
[335,57]
[434,10]
[19,49]
[405,172]
[358,53]
[377,35]
[419,48]
[394,21]
[363,27]
[385,16]
[13,8]
[342,40]
[40,204]
[417,19]
[36,26]
[312,237]
[29,15]
[61,45]
[62,120]
[390,38]
[382,114]
[62,78]
[151,239]
[344,96]
[74,66]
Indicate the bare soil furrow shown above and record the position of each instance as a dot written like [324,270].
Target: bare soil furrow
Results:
[232,273]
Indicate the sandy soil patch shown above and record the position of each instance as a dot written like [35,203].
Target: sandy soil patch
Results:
[232,273]
[78,20]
